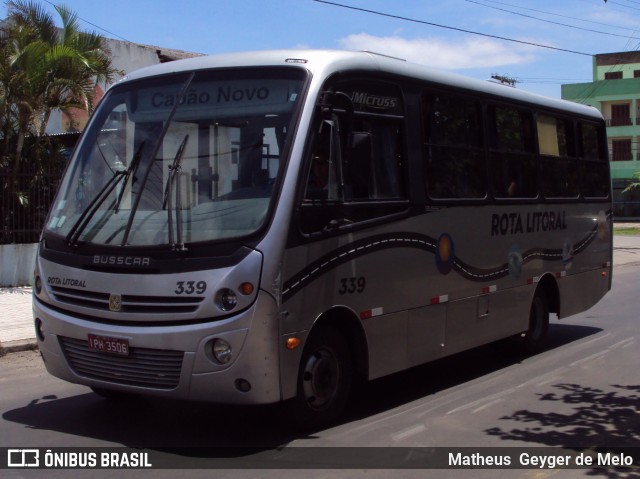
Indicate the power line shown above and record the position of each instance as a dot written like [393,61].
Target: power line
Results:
[552,81]
[93,24]
[564,16]
[610,6]
[625,6]
[551,21]
[598,84]
[413,20]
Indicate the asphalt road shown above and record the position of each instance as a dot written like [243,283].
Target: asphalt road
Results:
[582,391]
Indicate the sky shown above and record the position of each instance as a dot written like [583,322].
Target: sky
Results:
[542,44]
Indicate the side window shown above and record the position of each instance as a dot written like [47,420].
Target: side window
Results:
[514,173]
[365,164]
[322,180]
[355,167]
[373,162]
[594,167]
[558,162]
[455,158]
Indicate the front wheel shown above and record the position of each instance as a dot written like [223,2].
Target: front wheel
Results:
[324,379]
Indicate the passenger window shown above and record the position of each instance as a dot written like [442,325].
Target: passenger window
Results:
[455,160]
[556,143]
[513,165]
[593,160]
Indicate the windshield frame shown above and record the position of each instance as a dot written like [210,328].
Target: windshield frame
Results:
[89,139]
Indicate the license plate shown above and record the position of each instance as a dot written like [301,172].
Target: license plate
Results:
[109,345]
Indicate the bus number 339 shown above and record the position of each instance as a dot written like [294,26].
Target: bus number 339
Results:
[190,287]
[352,285]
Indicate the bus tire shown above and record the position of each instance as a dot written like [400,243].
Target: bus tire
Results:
[534,338]
[324,379]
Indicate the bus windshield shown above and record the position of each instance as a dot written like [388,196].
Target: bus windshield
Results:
[175,160]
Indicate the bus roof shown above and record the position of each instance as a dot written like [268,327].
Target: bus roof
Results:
[323,63]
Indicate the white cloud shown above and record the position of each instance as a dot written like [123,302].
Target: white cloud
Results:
[441,53]
[614,19]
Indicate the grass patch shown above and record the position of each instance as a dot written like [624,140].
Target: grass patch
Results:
[622,231]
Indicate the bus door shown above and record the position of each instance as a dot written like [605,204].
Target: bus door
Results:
[358,249]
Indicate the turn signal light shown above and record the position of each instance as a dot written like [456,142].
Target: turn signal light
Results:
[293,343]
[246,289]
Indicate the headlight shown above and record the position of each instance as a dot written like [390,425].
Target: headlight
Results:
[221,351]
[226,299]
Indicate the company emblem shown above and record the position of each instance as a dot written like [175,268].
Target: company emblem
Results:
[23,458]
[115,302]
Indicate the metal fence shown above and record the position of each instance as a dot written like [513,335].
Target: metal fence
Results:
[26,197]
[25,200]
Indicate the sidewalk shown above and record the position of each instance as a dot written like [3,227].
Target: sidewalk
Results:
[17,332]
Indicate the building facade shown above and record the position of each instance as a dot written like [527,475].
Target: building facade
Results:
[125,57]
[615,91]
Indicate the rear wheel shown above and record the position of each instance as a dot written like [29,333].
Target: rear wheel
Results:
[324,379]
[534,338]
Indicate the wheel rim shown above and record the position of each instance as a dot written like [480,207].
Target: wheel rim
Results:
[321,378]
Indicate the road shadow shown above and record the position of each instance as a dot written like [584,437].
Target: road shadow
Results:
[174,425]
[146,422]
[582,417]
[397,389]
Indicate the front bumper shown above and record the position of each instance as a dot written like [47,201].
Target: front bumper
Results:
[170,361]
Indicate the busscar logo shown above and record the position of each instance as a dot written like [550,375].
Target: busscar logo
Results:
[109,260]
[23,458]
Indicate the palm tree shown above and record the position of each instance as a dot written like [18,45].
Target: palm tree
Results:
[50,68]
[76,64]
[42,68]
[633,189]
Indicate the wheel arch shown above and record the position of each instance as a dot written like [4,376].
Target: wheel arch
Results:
[345,321]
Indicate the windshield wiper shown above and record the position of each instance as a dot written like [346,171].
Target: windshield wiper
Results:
[86,216]
[133,168]
[167,122]
[174,169]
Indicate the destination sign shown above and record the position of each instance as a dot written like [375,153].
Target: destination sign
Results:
[215,99]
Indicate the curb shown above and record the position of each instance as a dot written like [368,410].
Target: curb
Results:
[18,346]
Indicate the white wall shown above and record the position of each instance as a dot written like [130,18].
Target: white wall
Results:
[17,262]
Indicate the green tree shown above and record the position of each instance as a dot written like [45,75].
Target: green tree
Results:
[43,67]
[46,68]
